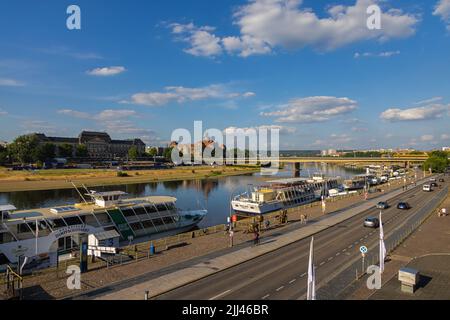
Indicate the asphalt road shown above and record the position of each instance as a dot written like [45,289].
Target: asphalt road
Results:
[282,274]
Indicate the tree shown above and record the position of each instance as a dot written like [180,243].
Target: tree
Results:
[4,156]
[65,150]
[23,148]
[437,162]
[133,153]
[44,152]
[153,152]
[81,151]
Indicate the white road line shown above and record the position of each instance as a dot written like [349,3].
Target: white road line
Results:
[338,254]
[356,242]
[265,297]
[361,239]
[330,258]
[280,288]
[292,281]
[322,263]
[220,295]
[303,275]
[344,250]
[350,246]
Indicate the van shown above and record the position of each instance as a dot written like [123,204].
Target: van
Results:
[427,188]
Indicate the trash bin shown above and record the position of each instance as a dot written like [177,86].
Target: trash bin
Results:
[152,249]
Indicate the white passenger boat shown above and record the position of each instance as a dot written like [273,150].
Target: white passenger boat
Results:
[108,219]
[283,194]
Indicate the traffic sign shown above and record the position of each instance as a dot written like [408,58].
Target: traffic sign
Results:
[363,249]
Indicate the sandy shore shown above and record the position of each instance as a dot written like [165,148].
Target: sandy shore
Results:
[11,181]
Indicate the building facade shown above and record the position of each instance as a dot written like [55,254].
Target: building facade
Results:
[98,144]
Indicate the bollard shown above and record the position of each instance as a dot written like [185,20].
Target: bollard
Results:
[146,295]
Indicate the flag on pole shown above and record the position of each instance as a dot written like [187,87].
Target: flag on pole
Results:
[382,247]
[311,293]
[36,237]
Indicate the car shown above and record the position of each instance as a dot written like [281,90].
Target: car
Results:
[371,222]
[382,205]
[403,206]
[427,188]
[434,185]
[441,180]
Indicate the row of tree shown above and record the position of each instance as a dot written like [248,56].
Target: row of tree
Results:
[438,161]
[27,149]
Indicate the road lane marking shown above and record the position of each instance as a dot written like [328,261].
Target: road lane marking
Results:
[265,297]
[330,258]
[220,295]
[344,250]
[322,263]
[280,288]
[350,246]
[292,281]
[303,275]
[338,254]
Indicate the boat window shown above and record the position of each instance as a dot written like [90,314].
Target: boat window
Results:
[139,211]
[128,212]
[23,228]
[161,207]
[57,223]
[168,220]
[136,226]
[150,208]
[157,222]
[71,221]
[147,224]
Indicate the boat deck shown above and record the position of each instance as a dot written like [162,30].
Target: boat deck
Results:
[81,208]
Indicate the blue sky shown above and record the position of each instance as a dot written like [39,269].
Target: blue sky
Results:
[310,68]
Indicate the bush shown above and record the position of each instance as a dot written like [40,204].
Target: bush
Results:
[122,174]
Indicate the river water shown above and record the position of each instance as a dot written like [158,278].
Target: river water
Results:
[213,194]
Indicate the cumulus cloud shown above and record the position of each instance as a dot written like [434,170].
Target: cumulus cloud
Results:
[445,137]
[313,109]
[116,121]
[181,94]
[4,82]
[3,112]
[334,140]
[249,130]
[267,24]
[201,39]
[106,71]
[385,54]
[431,111]
[427,138]
[442,9]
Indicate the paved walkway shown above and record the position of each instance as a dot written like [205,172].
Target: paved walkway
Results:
[190,274]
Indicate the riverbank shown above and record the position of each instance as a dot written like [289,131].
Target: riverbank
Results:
[12,181]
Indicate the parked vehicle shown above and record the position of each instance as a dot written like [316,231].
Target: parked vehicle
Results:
[371,223]
[382,205]
[403,206]
[427,188]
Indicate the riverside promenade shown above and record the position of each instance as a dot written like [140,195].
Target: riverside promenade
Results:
[134,290]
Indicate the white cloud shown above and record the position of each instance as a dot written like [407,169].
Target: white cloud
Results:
[10,83]
[105,115]
[74,113]
[313,109]
[428,101]
[334,140]
[267,24]
[442,9]
[181,94]
[106,71]
[202,42]
[385,54]
[445,137]
[427,138]
[432,111]
[248,130]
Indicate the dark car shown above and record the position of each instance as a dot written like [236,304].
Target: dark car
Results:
[434,184]
[382,205]
[441,180]
[372,222]
[403,206]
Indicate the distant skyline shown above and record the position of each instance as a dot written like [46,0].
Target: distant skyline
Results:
[141,69]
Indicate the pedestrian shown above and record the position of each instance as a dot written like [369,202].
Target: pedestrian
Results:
[306,218]
[302,218]
[256,238]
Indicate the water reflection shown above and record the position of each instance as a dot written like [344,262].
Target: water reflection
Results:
[211,194]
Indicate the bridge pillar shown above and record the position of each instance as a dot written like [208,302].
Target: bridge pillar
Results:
[297,169]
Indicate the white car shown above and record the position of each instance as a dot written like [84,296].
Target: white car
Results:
[427,188]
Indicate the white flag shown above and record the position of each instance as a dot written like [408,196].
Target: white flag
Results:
[311,293]
[382,247]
